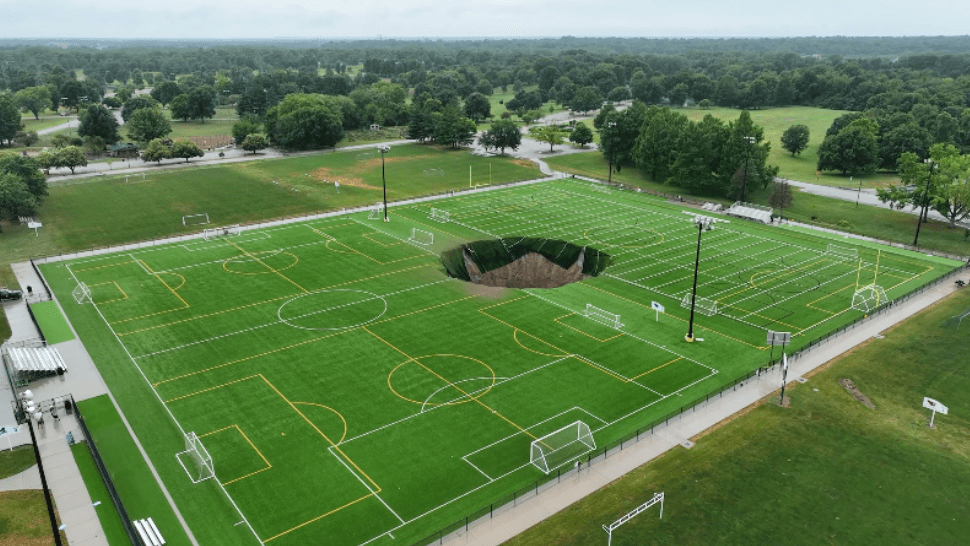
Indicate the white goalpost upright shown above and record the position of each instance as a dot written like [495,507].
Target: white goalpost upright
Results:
[225,231]
[439,215]
[600,315]
[701,304]
[81,293]
[376,211]
[559,448]
[195,219]
[421,237]
[195,459]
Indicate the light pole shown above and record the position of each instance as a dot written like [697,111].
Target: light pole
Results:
[610,126]
[747,159]
[925,198]
[859,194]
[702,223]
[384,148]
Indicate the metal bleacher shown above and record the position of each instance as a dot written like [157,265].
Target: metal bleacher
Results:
[31,362]
[750,211]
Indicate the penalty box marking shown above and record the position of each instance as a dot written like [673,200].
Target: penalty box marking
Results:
[248,441]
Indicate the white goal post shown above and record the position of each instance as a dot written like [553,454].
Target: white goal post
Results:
[559,448]
[225,231]
[421,237]
[82,294]
[842,253]
[702,305]
[439,215]
[376,212]
[600,315]
[195,459]
[195,219]
[868,298]
[434,173]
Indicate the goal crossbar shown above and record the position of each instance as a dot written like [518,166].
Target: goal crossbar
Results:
[224,231]
[869,298]
[81,293]
[199,464]
[421,237]
[702,305]
[439,215]
[600,315]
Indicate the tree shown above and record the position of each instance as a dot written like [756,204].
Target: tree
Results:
[26,138]
[15,199]
[255,142]
[185,149]
[656,146]
[905,137]
[586,99]
[202,103]
[10,123]
[505,134]
[134,104]
[477,107]
[123,93]
[309,127]
[549,134]
[795,139]
[93,144]
[454,130]
[581,135]
[530,116]
[179,107]
[247,125]
[781,197]
[952,198]
[33,99]
[71,157]
[97,121]
[147,124]
[156,150]
[853,150]
[619,94]
[165,92]
[26,169]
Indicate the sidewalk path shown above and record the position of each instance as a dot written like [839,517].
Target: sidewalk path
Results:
[28,479]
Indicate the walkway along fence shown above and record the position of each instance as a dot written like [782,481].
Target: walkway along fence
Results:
[106,477]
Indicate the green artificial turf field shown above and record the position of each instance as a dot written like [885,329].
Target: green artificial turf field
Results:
[345,388]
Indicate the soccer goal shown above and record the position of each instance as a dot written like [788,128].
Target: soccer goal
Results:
[195,219]
[376,212]
[702,305]
[81,293]
[439,215]
[365,155]
[842,253]
[868,298]
[434,173]
[421,237]
[196,460]
[225,231]
[600,315]
[559,448]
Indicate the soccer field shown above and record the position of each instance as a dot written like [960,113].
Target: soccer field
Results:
[345,387]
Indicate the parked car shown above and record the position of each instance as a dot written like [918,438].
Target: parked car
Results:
[8,294]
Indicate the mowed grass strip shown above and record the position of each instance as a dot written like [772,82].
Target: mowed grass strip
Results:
[52,322]
[827,470]
[24,520]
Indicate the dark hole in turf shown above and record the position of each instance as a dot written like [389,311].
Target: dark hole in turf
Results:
[523,262]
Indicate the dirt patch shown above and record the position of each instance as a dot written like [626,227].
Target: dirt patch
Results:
[327,176]
[856,393]
[530,271]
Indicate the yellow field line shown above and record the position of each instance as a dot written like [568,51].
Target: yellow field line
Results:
[255,259]
[318,518]
[344,435]
[557,321]
[258,452]
[655,369]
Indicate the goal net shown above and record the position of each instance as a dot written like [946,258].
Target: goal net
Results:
[434,173]
[702,305]
[868,298]
[605,317]
[376,212]
[196,460]
[842,253]
[421,237]
[439,215]
[195,219]
[225,231]
[81,293]
[558,448]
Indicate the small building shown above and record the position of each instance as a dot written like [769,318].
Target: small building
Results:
[375,127]
[128,150]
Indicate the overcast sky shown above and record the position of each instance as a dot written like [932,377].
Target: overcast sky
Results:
[491,18]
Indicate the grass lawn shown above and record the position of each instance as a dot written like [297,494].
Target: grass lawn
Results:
[114,530]
[24,520]
[332,361]
[32,124]
[52,322]
[16,461]
[827,470]
[210,127]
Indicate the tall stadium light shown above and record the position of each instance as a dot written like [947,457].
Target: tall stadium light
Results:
[384,148]
[747,159]
[703,223]
[611,125]
[926,198]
